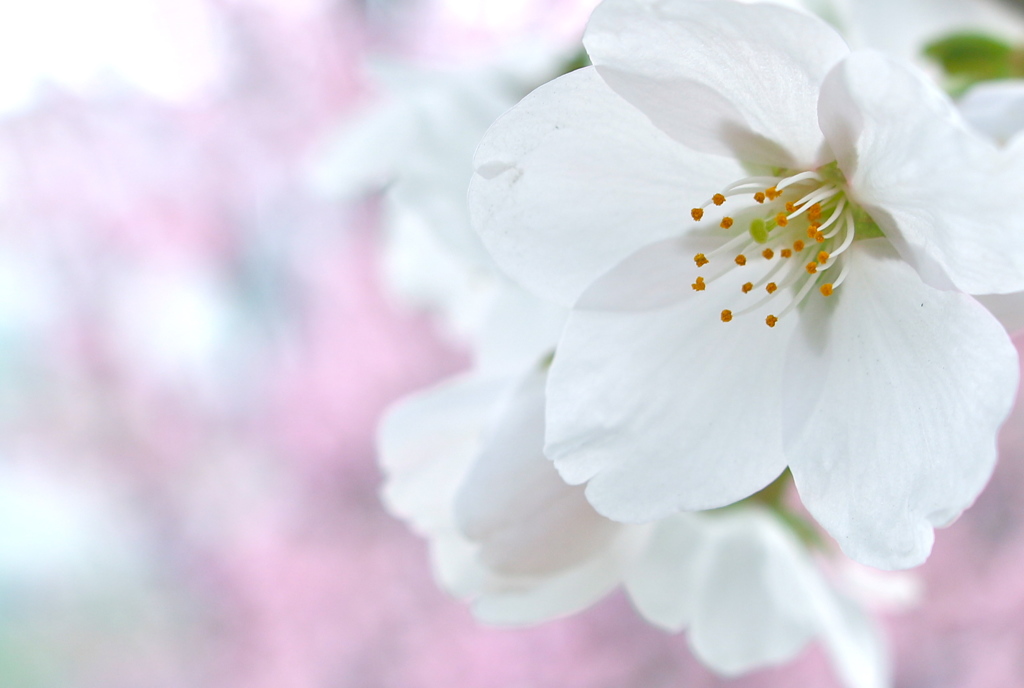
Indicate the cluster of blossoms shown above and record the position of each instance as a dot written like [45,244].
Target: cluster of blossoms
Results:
[748,253]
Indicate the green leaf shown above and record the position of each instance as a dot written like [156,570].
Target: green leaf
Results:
[972,55]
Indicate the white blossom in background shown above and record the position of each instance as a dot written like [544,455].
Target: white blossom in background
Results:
[464,465]
[766,241]
[901,28]
[996,109]
[417,143]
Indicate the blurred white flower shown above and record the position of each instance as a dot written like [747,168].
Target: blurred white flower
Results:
[417,142]
[858,206]
[996,108]
[902,28]
[465,466]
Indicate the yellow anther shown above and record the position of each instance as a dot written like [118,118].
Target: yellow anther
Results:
[700,259]
[770,321]
[759,197]
[726,223]
[811,231]
[786,253]
[697,214]
[747,287]
[798,246]
[741,259]
[819,237]
[718,199]
[822,257]
[781,220]
[699,284]
[826,289]
[768,254]
[811,267]
[814,212]
[771,287]
[772,193]
[726,315]
[791,206]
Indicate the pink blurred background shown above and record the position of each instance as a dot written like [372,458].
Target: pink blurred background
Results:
[194,350]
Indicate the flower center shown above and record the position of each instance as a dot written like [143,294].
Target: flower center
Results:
[791,239]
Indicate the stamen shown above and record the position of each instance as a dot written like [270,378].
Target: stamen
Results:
[740,259]
[747,287]
[851,228]
[768,254]
[718,199]
[814,212]
[697,214]
[826,289]
[814,198]
[798,298]
[746,181]
[781,220]
[798,246]
[791,206]
[701,260]
[789,181]
[771,320]
[731,245]
[772,192]
[726,315]
[819,237]
[771,287]
[835,215]
[811,268]
[842,275]
[699,284]
[786,253]
[822,257]
[726,223]
[759,197]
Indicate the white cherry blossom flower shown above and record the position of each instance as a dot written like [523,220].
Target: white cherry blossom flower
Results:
[766,241]
[416,144]
[464,464]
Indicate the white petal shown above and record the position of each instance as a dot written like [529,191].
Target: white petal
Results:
[752,607]
[518,331]
[574,179]
[944,196]
[513,503]
[853,640]
[903,389]
[427,442]
[667,409]
[996,108]
[658,275]
[722,77]
[512,602]
[1008,308]
[662,581]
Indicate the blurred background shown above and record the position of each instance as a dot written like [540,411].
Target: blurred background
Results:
[208,294]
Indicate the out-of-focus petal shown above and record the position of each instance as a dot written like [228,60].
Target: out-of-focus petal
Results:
[526,519]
